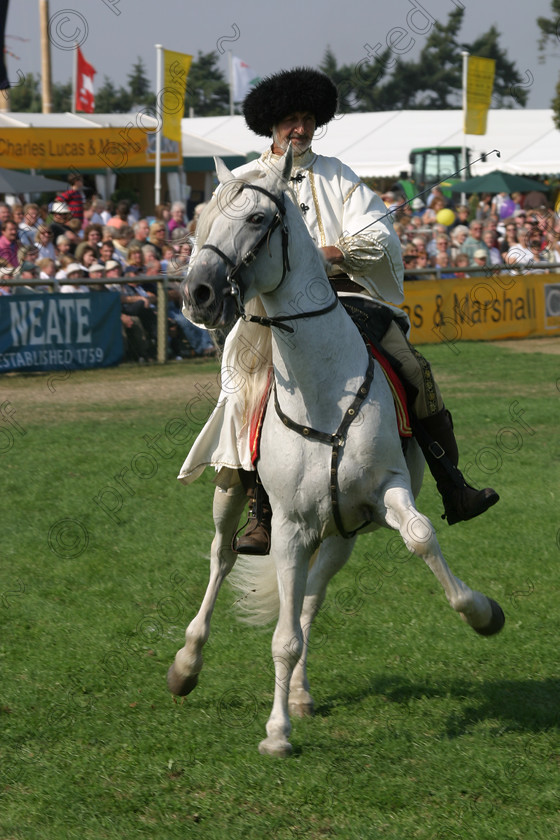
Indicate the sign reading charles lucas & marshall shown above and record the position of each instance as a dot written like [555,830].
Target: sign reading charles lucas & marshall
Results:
[43,331]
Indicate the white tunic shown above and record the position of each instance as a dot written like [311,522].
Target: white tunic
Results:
[338,209]
[342,211]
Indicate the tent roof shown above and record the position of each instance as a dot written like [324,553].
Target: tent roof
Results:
[378,144]
[13,183]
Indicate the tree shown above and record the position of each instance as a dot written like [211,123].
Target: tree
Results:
[61,97]
[26,98]
[139,87]
[550,30]
[435,80]
[207,91]
[110,100]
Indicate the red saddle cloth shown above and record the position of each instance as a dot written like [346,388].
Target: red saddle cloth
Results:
[395,384]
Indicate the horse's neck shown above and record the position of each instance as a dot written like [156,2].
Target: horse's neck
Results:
[324,360]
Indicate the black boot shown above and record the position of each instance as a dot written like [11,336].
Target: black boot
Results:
[437,441]
[256,539]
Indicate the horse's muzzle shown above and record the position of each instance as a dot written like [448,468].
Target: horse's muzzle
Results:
[206,304]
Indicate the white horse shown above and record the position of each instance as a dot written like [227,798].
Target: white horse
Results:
[322,488]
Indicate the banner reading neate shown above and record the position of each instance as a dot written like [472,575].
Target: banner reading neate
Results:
[40,332]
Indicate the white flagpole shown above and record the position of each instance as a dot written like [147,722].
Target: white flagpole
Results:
[230,65]
[75,79]
[157,185]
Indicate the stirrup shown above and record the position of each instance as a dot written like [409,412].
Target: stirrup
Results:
[256,539]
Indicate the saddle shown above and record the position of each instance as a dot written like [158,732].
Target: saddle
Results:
[372,320]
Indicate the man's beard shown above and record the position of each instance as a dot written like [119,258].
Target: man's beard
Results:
[300,145]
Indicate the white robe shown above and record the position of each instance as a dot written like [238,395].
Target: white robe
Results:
[339,210]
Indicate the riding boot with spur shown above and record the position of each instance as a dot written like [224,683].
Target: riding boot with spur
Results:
[256,539]
[437,441]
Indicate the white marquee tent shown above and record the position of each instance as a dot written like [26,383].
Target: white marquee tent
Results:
[378,144]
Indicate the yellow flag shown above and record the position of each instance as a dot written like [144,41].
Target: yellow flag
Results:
[176,68]
[480,81]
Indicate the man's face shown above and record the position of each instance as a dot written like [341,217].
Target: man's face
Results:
[10,231]
[476,231]
[298,129]
[142,230]
[5,213]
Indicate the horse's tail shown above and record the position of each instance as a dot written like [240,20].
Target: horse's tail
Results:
[255,582]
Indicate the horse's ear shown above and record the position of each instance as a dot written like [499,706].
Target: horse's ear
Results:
[223,173]
[288,158]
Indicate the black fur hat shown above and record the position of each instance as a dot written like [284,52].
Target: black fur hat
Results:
[300,89]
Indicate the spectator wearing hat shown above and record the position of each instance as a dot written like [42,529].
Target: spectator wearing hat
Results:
[74,273]
[9,243]
[73,197]
[61,215]
[480,260]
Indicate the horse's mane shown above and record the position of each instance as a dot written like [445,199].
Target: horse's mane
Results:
[253,366]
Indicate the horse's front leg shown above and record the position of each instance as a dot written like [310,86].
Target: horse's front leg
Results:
[182,676]
[332,556]
[292,559]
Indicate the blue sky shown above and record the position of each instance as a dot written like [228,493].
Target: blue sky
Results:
[269,37]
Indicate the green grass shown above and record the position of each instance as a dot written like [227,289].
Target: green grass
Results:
[423,729]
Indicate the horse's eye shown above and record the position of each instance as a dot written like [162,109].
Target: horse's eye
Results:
[256,219]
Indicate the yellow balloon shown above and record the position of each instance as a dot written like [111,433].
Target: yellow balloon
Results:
[445,217]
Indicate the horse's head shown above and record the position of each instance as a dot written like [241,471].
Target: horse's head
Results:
[234,239]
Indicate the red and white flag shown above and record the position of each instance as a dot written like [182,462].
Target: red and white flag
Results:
[243,79]
[85,99]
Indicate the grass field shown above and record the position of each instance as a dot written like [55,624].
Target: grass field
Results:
[423,729]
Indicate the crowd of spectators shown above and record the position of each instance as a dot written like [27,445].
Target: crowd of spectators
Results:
[441,239]
[74,239]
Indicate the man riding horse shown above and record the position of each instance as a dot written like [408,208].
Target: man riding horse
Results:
[363,257]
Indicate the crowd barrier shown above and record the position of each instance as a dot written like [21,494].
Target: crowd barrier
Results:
[43,331]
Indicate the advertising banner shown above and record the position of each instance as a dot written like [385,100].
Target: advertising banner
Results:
[483,308]
[43,331]
[130,147]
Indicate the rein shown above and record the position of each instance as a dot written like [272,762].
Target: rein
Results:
[336,440]
[251,256]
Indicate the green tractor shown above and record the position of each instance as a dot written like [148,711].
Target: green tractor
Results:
[431,165]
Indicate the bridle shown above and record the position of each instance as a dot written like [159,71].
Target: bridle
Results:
[250,256]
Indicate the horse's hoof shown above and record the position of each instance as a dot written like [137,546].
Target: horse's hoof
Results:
[302,710]
[496,622]
[180,686]
[277,749]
